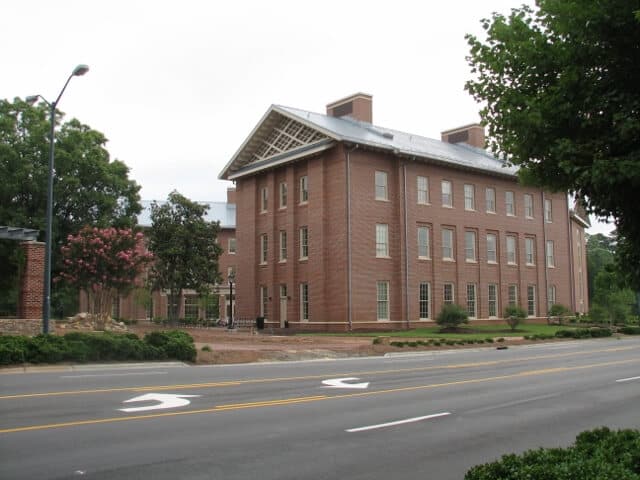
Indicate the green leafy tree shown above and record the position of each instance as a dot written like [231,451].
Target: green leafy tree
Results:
[185,249]
[560,85]
[614,301]
[600,253]
[452,316]
[104,262]
[514,316]
[89,187]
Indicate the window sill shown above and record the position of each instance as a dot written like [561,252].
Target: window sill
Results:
[470,210]
[466,260]
[512,264]
[282,261]
[490,212]
[383,256]
[263,264]
[282,208]
[492,262]
[511,214]
[424,258]
[383,200]
[303,259]
[302,204]
[447,206]
[427,204]
[530,264]
[452,260]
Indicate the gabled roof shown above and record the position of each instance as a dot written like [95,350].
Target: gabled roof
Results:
[223,212]
[261,149]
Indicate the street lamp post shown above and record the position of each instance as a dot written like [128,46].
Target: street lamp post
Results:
[46,302]
[231,279]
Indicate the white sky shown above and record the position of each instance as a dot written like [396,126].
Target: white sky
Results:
[177,86]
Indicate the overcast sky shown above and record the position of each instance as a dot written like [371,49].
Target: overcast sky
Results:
[176,86]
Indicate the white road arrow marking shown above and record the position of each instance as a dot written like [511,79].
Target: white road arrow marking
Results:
[167,400]
[339,383]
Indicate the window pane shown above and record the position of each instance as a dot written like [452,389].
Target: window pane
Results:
[490,196]
[423,190]
[423,242]
[424,300]
[470,246]
[381,186]
[283,195]
[382,240]
[383,300]
[492,255]
[471,300]
[551,262]
[304,242]
[469,197]
[528,205]
[447,244]
[448,293]
[531,300]
[513,295]
[511,250]
[304,189]
[509,202]
[529,251]
[493,300]
[548,217]
[447,197]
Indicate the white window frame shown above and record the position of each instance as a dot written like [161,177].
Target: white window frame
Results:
[231,246]
[529,251]
[381,186]
[490,199]
[304,301]
[510,203]
[422,186]
[283,194]
[382,240]
[424,245]
[283,246]
[492,300]
[470,249]
[551,260]
[424,301]
[448,238]
[528,205]
[382,296]
[512,293]
[264,301]
[264,199]
[264,249]
[469,197]
[548,210]
[512,250]
[304,189]
[447,193]
[472,300]
[492,254]
[304,243]
[531,300]
[450,298]
[551,297]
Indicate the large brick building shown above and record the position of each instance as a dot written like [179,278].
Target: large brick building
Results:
[344,225]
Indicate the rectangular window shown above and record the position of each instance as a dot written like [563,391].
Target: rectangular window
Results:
[283,195]
[551,261]
[382,240]
[548,213]
[263,199]
[264,248]
[425,298]
[471,300]
[493,300]
[447,195]
[551,297]
[447,244]
[528,205]
[231,246]
[469,197]
[470,246]
[191,307]
[490,198]
[304,243]
[304,301]
[509,203]
[492,248]
[264,301]
[513,295]
[511,250]
[423,242]
[423,190]
[304,189]
[383,300]
[447,293]
[531,300]
[381,186]
[283,246]
[529,251]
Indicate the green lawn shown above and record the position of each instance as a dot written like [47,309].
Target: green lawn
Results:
[474,332]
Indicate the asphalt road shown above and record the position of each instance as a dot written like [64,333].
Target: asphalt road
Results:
[404,417]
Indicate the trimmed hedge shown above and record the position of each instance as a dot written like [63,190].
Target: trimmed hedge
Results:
[91,347]
[629,330]
[584,333]
[600,454]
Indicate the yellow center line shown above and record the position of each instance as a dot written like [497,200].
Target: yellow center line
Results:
[297,400]
[311,377]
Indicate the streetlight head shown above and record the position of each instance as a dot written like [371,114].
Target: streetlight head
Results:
[31,99]
[80,70]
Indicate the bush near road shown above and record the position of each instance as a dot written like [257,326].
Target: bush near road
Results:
[91,347]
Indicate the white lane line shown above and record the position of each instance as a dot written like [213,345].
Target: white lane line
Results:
[399,422]
[113,374]
[627,379]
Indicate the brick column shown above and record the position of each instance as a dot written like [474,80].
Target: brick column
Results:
[32,281]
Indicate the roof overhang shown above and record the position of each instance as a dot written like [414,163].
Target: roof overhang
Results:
[19,234]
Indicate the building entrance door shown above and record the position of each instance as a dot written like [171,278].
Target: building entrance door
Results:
[283,305]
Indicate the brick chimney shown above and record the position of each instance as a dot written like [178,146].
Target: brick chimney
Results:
[470,134]
[358,106]
[231,195]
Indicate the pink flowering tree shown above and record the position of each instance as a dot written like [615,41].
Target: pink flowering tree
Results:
[104,262]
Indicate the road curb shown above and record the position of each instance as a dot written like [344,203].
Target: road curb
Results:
[90,367]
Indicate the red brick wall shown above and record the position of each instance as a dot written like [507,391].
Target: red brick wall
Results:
[32,281]
[325,215]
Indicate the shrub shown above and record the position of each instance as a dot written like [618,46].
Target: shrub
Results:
[514,315]
[451,316]
[177,344]
[558,310]
[206,348]
[599,454]
[629,330]
[489,339]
